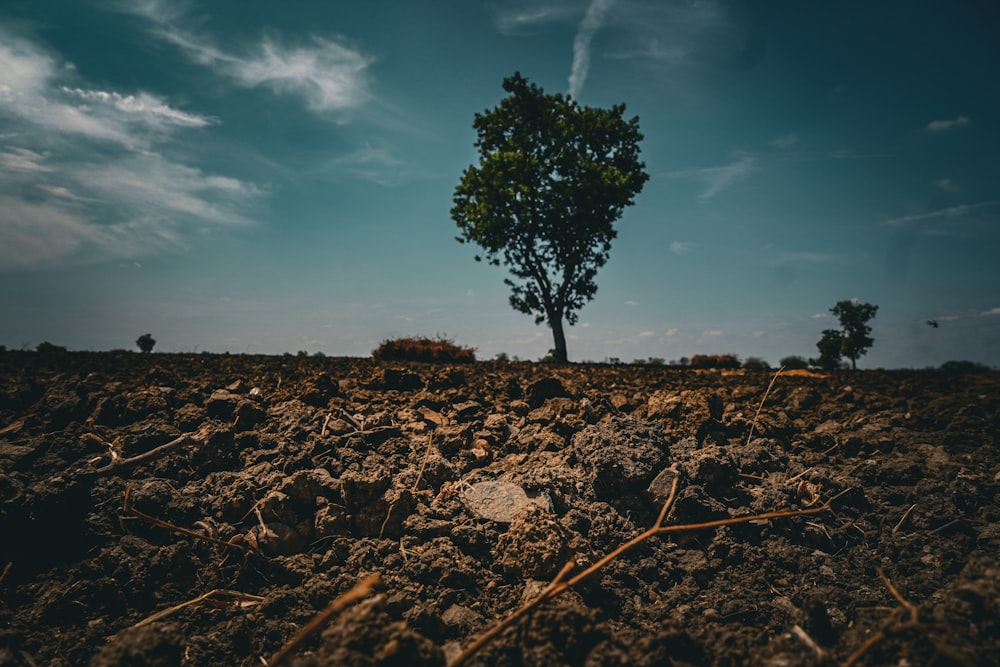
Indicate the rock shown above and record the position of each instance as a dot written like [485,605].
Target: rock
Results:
[502,501]
[659,489]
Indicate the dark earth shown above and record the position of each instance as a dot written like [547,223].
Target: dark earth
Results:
[467,489]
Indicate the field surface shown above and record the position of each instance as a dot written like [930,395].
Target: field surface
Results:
[206,509]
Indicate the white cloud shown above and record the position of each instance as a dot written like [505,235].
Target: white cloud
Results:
[22,159]
[947,185]
[713,333]
[950,124]
[785,142]
[631,303]
[991,311]
[806,257]
[717,179]
[327,74]
[950,212]
[680,247]
[818,316]
[646,334]
[144,108]
[590,24]
[377,164]
[670,333]
[526,17]
[83,175]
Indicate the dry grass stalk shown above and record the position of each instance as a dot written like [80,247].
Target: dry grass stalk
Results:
[903,518]
[558,585]
[241,600]
[129,509]
[423,466]
[360,591]
[760,407]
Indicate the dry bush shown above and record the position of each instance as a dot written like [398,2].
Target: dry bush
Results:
[439,350]
[714,361]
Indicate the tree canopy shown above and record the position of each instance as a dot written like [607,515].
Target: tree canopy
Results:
[852,339]
[552,179]
[854,316]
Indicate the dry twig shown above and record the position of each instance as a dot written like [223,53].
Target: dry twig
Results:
[558,586]
[896,623]
[361,590]
[119,466]
[128,508]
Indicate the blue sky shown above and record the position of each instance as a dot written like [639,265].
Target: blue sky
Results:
[266,177]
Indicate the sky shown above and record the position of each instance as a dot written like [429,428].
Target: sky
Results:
[262,177]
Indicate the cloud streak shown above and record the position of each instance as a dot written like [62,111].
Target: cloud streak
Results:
[950,212]
[950,124]
[716,179]
[326,74]
[590,24]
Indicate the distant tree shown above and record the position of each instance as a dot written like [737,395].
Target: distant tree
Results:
[755,364]
[830,350]
[145,342]
[794,362]
[855,339]
[502,356]
[552,178]
[960,366]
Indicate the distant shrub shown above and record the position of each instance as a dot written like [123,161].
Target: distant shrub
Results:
[440,350]
[501,356]
[714,361]
[145,343]
[319,354]
[964,367]
[794,363]
[46,347]
[302,353]
[755,364]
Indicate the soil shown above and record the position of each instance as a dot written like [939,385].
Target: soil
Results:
[468,488]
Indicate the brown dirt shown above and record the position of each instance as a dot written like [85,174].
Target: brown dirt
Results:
[329,451]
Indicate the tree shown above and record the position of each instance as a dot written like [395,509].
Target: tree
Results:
[830,350]
[553,177]
[145,342]
[852,339]
[794,362]
[854,316]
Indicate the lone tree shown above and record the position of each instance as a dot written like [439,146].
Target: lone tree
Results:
[852,340]
[830,350]
[553,177]
[145,342]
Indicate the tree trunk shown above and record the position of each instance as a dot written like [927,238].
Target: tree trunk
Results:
[559,338]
